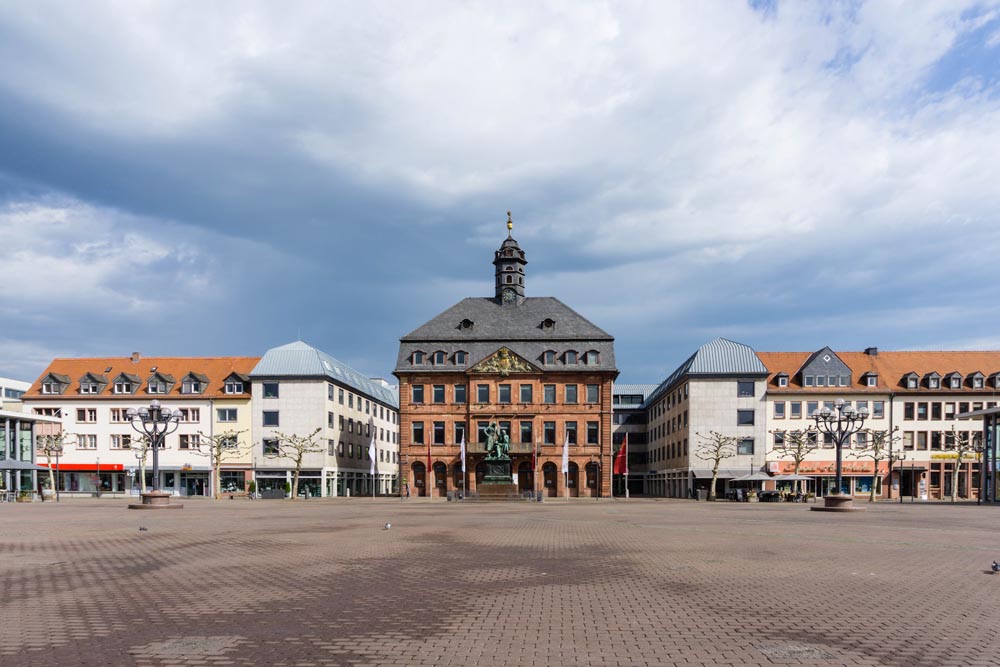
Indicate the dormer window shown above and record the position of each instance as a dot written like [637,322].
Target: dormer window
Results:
[977,381]
[911,383]
[50,388]
[439,358]
[548,323]
[157,387]
[460,358]
[191,387]
[233,387]
[955,382]
[549,357]
[465,324]
[782,380]
[996,381]
[89,388]
[569,357]
[591,359]
[933,383]
[123,388]
[872,380]
[808,381]
[418,358]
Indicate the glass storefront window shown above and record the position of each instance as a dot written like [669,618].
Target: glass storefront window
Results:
[232,481]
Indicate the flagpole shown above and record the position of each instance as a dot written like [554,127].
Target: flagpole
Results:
[626,467]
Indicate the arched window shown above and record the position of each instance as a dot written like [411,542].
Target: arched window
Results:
[569,357]
[439,358]
[460,358]
[549,357]
[591,358]
[418,358]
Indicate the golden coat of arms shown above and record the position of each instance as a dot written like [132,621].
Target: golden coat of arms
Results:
[504,362]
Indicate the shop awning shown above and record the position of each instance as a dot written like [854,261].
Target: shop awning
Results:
[9,464]
[724,473]
[72,467]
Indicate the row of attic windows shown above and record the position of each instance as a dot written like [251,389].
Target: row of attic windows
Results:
[911,380]
[155,384]
[548,358]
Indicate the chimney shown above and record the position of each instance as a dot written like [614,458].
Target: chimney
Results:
[135,357]
[871,351]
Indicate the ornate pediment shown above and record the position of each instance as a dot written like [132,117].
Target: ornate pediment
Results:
[504,362]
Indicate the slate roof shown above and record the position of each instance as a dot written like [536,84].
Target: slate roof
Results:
[299,359]
[719,357]
[519,327]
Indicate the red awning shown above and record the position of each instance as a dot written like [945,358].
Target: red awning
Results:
[105,467]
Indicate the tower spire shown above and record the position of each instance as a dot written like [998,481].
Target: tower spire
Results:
[509,262]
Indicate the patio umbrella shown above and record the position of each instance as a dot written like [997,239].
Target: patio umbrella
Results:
[792,478]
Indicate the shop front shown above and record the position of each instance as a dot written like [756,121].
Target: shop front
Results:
[858,477]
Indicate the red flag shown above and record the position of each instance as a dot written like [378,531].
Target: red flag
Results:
[621,459]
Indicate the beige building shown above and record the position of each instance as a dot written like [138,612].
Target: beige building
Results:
[720,388]
[299,389]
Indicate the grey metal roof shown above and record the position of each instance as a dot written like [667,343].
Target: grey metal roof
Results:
[717,357]
[519,327]
[632,389]
[299,359]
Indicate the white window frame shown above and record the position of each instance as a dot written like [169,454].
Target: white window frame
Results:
[234,387]
[89,388]
[783,381]
[191,387]
[122,388]
[872,380]
[156,387]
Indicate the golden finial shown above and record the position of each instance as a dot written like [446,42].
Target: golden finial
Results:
[510,224]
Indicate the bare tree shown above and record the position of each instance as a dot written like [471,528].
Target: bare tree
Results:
[140,446]
[878,447]
[796,445]
[220,448]
[50,445]
[960,443]
[715,447]
[295,447]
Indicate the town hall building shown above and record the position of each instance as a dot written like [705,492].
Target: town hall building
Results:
[533,365]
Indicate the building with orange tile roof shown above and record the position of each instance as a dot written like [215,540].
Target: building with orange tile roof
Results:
[91,396]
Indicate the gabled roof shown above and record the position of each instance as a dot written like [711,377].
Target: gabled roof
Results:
[299,359]
[200,377]
[58,377]
[789,363]
[96,377]
[216,368]
[719,357]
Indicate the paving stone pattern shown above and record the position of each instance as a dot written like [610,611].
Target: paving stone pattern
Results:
[584,582]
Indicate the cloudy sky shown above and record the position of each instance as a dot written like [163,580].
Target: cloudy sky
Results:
[217,179]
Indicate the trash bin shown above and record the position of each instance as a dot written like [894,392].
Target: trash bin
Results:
[702,494]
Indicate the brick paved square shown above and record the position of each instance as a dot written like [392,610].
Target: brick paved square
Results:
[320,582]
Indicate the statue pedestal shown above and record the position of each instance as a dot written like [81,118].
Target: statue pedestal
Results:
[498,472]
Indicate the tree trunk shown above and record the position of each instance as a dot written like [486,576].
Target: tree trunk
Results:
[954,478]
[48,463]
[798,482]
[215,481]
[871,497]
[295,480]
[715,476]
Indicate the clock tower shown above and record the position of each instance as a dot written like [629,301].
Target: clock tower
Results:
[509,262]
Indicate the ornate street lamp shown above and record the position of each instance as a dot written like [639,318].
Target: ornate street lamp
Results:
[155,422]
[840,424]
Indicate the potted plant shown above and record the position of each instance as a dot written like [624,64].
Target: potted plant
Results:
[752,496]
[252,489]
[24,497]
[288,489]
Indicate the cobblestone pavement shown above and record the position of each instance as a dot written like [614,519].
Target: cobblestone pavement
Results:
[321,582]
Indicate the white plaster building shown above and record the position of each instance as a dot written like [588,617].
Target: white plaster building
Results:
[90,397]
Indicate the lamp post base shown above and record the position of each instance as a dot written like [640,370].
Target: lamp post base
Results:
[156,500]
[838,502]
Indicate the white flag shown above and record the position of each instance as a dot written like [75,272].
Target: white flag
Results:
[371,451]
[565,458]
[463,451]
